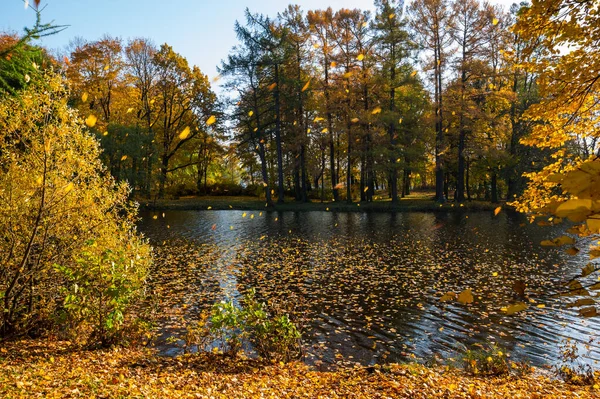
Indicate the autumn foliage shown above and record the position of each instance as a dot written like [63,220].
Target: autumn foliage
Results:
[71,260]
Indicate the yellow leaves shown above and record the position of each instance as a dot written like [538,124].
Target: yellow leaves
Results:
[124,157]
[376,111]
[581,302]
[392,16]
[400,121]
[69,187]
[465,297]
[306,85]
[497,210]
[184,133]
[587,270]
[360,57]
[129,110]
[348,74]
[272,86]
[515,308]
[541,306]
[448,296]
[559,241]
[593,223]
[84,97]
[250,113]
[90,121]
[495,21]
[105,133]
[354,120]
[333,64]
[211,119]
[588,312]
[413,74]
[574,209]
[318,119]
[325,130]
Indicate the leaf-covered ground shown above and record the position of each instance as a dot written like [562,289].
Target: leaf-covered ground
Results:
[57,370]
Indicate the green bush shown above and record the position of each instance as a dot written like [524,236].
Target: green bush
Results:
[272,337]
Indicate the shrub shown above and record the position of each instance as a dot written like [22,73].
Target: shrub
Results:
[272,337]
[488,362]
[68,244]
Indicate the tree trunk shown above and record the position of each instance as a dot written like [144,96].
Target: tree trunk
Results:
[280,185]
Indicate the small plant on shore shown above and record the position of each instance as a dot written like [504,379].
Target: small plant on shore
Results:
[486,361]
[572,370]
[273,337]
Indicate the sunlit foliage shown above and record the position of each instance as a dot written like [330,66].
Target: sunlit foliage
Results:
[69,249]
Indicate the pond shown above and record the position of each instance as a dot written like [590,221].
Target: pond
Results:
[365,287]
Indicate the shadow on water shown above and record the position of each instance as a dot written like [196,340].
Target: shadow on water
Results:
[366,286]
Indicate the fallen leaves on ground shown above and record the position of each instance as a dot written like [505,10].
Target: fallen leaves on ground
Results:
[58,370]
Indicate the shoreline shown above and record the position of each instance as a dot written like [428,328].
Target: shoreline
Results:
[411,204]
[55,369]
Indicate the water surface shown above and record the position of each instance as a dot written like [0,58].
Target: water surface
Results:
[366,286]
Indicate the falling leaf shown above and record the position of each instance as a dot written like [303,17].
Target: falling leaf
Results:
[587,270]
[69,187]
[495,21]
[84,97]
[376,111]
[333,64]
[184,133]
[448,296]
[413,73]
[129,110]
[497,211]
[588,312]
[360,57]
[354,120]
[214,227]
[250,113]
[124,157]
[105,133]
[392,16]
[272,86]
[91,121]
[211,119]
[515,308]
[465,297]
[400,120]
[305,87]
[106,67]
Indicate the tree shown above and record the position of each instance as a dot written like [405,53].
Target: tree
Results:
[184,96]
[467,30]
[321,25]
[430,21]
[569,85]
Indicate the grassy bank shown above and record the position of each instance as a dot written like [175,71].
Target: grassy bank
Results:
[57,370]
[413,202]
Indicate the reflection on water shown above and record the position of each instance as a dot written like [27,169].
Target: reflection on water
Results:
[366,285]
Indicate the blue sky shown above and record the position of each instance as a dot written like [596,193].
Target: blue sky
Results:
[200,30]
